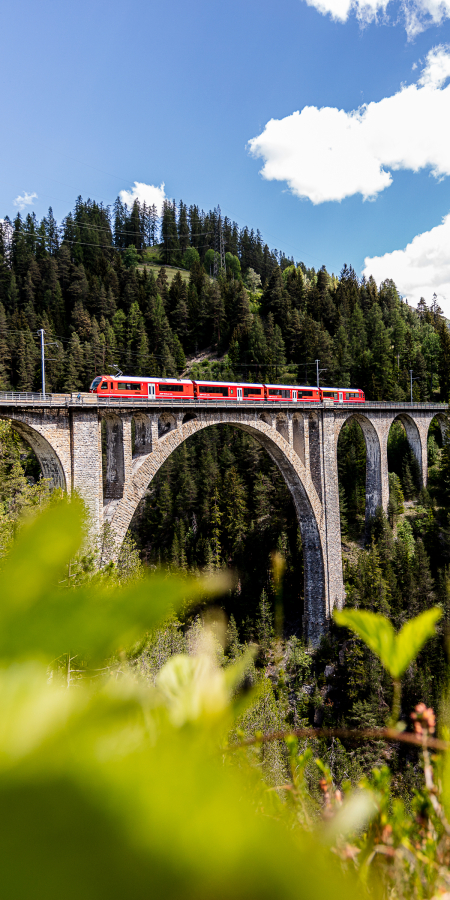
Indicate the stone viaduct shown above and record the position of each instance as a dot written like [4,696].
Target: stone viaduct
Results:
[88,444]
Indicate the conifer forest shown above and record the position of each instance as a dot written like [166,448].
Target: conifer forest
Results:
[144,293]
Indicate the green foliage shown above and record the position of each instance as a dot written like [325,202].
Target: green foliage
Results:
[77,617]
[131,257]
[396,651]
[190,256]
[396,498]
[115,785]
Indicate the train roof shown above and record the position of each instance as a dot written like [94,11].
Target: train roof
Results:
[131,378]
[257,384]
[294,387]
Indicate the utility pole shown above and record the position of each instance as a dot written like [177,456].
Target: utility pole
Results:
[41,332]
[318,372]
[219,249]
[411,379]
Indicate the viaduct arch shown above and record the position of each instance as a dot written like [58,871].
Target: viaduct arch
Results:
[65,432]
[274,438]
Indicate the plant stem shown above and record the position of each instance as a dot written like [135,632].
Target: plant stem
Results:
[395,715]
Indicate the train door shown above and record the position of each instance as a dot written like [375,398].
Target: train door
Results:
[294,395]
[341,396]
[239,393]
[151,391]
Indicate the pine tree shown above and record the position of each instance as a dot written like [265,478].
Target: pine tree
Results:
[73,379]
[235,505]
[216,517]
[444,364]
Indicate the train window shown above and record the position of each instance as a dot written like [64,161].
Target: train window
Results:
[96,383]
[249,391]
[274,392]
[172,388]
[104,386]
[352,395]
[305,394]
[123,386]
[213,389]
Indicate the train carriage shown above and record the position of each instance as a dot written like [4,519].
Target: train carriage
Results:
[343,395]
[228,390]
[145,388]
[291,393]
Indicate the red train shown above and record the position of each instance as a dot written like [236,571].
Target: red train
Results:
[183,389]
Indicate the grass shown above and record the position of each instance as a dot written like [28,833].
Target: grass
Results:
[170,271]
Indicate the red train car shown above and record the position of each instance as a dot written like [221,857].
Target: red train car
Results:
[291,393]
[343,395]
[151,388]
[227,390]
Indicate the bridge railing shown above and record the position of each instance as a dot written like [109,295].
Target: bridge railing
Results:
[25,396]
[94,400]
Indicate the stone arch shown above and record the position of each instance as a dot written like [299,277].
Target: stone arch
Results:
[49,460]
[266,417]
[189,417]
[166,422]
[414,438]
[317,602]
[443,422]
[142,433]
[114,473]
[300,437]
[48,457]
[314,440]
[282,426]
[374,485]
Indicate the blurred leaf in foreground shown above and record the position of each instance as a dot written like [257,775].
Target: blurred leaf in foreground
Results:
[40,619]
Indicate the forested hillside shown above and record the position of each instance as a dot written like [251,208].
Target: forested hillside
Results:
[133,291]
[98,285]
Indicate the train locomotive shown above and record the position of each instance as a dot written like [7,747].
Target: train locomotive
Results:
[130,388]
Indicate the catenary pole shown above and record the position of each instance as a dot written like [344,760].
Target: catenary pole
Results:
[41,332]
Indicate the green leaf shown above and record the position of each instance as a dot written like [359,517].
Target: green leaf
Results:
[413,636]
[39,619]
[396,651]
[40,555]
[375,630]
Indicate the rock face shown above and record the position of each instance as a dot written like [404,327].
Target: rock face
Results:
[86,446]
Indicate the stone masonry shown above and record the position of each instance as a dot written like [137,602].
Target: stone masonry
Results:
[86,445]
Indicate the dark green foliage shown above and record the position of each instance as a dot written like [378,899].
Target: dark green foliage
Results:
[352,477]
[219,500]
[89,281]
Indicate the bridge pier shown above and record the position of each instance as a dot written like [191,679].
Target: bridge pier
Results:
[86,456]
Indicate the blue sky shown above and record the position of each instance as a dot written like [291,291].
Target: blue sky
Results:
[97,96]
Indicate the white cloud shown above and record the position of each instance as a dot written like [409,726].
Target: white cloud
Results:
[437,68]
[416,15]
[145,192]
[25,200]
[421,269]
[329,154]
